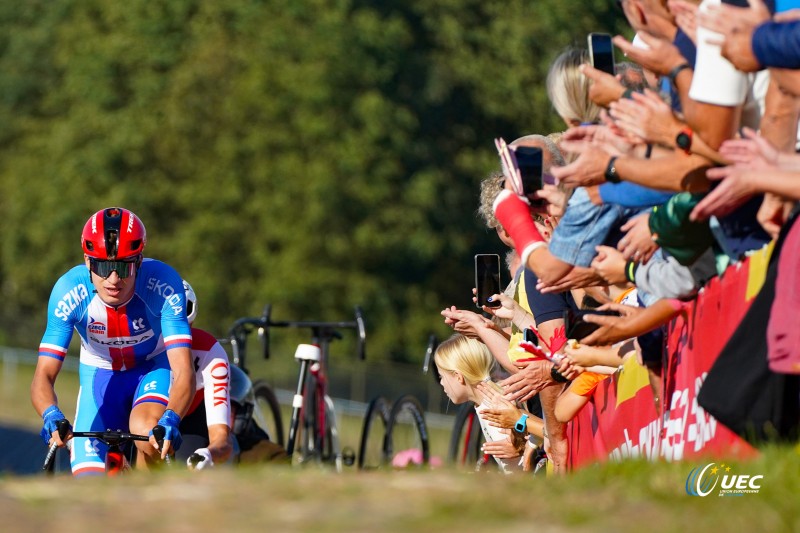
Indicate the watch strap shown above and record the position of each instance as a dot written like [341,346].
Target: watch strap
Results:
[673,74]
[611,171]
[521,424]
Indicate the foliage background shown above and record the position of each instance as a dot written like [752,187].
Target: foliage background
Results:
[315,154]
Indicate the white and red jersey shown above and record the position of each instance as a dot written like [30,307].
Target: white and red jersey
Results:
[212,378]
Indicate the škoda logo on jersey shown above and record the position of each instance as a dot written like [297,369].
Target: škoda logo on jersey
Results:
[96,328]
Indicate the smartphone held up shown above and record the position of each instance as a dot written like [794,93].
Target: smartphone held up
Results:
[487,279]
[601,52]
[523,166]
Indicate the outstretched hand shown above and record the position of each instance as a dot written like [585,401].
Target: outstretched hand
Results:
[661,56]
[502,413]
[465,322]
[588,169]
[736,188]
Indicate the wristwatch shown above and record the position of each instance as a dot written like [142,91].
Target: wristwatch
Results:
[684,140]
[611,171]
[673,74]
[557,376]
[521,424]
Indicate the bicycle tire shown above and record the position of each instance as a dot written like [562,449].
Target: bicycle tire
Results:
[267,412]
[316,448]
[466,439]
[378,409]
[332,448]
[406,429]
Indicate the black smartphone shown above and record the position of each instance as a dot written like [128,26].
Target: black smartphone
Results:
[487,278]
[529,336]
[576,328]
[601,51]
[529,161]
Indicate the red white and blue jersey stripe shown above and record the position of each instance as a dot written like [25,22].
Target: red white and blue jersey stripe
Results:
[117,338]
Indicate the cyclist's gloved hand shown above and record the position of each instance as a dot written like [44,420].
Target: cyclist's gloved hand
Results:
[203,461]
[170,421]
[51,417]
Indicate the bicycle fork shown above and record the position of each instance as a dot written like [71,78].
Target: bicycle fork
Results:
[306,354]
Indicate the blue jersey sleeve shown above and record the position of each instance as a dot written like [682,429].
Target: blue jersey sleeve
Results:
[68,302]
[164,295]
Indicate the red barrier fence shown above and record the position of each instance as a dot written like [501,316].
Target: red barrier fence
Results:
[621,420]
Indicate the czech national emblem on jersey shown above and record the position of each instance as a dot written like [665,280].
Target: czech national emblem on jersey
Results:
[96,327]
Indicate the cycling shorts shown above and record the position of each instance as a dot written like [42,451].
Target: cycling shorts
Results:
[105,400]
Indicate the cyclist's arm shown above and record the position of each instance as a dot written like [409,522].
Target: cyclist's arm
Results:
[63,309]
[183,383]
[219,442]
[171,299]
[215,377]
[43,392]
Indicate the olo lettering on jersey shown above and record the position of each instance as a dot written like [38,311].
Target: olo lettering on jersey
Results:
[219,372]
[70,301]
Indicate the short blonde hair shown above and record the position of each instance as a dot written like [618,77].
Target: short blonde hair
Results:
[568,89]
[467,356]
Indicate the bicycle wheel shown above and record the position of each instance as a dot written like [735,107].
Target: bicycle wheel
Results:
[370,450]
[267,412]
[331,447]
[406,440]
[466,439]
[318,444]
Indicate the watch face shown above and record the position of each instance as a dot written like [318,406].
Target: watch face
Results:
[683,141]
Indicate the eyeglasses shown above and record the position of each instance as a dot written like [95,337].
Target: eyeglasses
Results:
[124,269]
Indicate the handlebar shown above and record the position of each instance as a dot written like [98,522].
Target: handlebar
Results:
[324,331]
[109,438]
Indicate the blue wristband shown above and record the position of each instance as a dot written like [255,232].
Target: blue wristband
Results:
[51,417]
[169,418]
[521,424]
[170,422]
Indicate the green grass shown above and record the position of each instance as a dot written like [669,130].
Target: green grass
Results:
[628,497]
[632,496]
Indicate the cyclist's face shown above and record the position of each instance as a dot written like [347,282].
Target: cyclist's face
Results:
[113,290]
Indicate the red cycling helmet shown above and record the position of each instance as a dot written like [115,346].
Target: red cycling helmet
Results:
[113,233]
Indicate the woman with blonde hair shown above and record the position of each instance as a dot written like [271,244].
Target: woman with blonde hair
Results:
[568,88]
[463,363]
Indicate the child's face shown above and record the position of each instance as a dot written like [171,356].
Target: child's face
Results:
[454,386]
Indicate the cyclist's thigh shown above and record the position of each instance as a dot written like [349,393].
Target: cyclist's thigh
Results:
[152,394]
[103,400]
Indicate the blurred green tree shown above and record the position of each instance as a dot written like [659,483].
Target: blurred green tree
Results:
[316,155]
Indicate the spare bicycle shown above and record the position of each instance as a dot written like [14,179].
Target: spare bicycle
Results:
[396,435]
[313,430]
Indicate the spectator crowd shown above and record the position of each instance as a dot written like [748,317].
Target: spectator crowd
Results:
[668,171]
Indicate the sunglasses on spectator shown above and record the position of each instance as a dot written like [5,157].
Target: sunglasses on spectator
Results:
[124,269]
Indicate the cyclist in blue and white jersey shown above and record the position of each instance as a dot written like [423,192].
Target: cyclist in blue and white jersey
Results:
[135,356]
